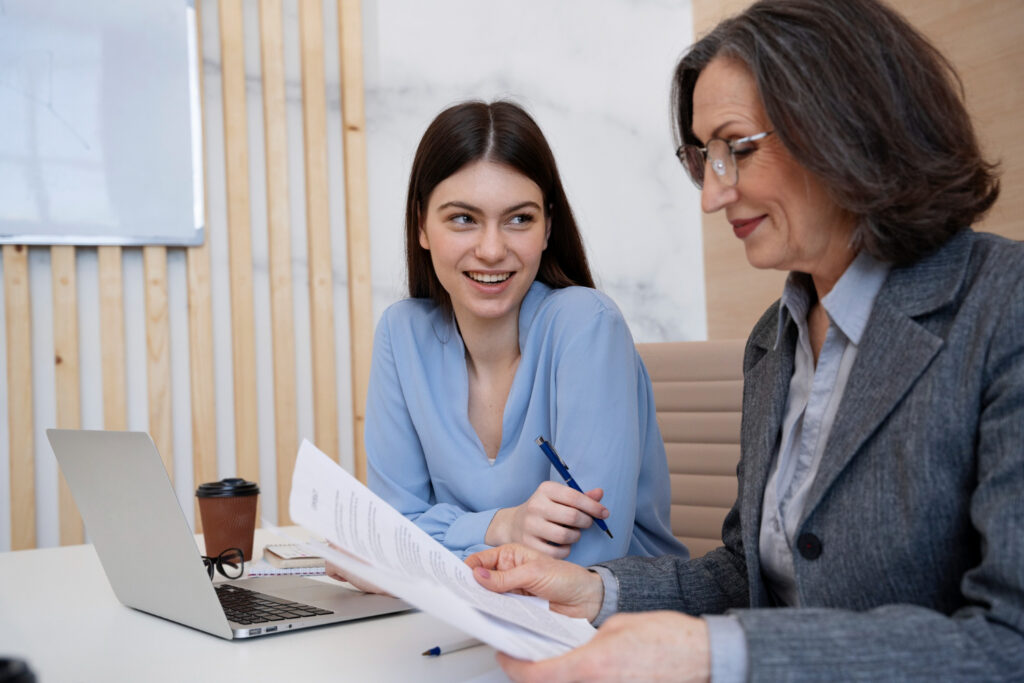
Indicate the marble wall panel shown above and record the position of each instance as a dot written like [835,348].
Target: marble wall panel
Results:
[595,74]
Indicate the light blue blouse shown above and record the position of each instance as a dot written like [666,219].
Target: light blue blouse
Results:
[580,383]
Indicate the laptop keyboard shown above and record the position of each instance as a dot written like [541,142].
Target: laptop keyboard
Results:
[244,606]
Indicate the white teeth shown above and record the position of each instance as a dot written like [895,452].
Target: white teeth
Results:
[490,278]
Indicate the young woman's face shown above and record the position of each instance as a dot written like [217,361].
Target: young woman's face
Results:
[778,209]
[486,229]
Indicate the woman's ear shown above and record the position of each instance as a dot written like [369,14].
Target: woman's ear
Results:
[424,242]
[547,229]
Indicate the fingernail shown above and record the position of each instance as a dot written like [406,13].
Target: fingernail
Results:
[482,573]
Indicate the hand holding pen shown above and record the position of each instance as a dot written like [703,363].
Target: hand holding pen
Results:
[563,471]
[550,520]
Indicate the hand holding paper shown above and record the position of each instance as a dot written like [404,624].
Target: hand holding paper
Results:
[568,588]
[384,548]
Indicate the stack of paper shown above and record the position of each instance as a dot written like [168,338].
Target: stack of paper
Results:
[384,548]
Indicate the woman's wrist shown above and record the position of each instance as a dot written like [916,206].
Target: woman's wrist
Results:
[497,531]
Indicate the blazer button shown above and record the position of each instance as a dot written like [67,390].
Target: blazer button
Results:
[810,546]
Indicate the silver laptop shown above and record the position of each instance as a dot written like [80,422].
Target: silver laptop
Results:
[150,555]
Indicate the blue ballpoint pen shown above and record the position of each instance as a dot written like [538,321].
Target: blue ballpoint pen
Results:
[563,470]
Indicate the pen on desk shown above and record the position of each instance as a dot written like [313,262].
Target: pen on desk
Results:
[439,650]
[563,470]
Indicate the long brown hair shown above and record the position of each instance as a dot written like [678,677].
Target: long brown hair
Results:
[503,133]
[863,100]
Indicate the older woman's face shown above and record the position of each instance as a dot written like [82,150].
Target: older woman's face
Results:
[778,209]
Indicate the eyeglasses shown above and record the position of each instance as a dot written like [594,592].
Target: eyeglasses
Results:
[722,154]
[230,563]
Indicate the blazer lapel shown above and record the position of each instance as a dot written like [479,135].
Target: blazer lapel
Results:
[766,386]
[894,351]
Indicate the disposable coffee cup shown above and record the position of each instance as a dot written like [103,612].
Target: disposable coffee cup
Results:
[228,510]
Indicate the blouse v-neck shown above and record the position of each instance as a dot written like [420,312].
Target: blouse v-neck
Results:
[511,422]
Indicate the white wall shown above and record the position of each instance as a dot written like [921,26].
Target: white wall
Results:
[594,73]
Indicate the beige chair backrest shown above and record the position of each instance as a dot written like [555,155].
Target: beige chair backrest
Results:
[698,392]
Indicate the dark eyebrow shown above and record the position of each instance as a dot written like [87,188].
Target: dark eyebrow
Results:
[460,205]
[474,209]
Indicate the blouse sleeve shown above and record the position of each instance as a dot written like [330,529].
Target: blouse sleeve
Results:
[601,432]
[396,465]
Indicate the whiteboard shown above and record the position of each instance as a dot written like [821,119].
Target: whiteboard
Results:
[100,137]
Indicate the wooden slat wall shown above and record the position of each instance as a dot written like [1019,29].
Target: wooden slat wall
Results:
[158,353]
[68,388]
[318,232]
[20,422]
[111,295]
[357,216]
[279,248]
[318,341]
[236,153]
[200,339]
[981,37]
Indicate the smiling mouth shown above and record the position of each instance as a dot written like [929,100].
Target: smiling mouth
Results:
[743,227]
[488,278]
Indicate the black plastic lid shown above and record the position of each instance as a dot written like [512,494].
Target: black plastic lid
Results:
[227,488]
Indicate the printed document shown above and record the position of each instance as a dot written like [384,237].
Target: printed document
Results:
[382,547]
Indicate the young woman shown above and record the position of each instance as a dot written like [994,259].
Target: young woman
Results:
[505,340]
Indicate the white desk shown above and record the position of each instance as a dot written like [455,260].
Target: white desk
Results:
[58,612]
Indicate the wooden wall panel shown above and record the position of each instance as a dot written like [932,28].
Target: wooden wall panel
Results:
[318,229]
[357,218]
[20,422]
[200,354]
[279,248]
[158,354]
[200,334]
[236,152]
[981,37]
[111,295]
[66,375]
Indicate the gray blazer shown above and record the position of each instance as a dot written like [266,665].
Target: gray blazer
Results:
[910,563]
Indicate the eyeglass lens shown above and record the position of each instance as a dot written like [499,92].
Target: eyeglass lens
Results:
[719,156]
[230,563]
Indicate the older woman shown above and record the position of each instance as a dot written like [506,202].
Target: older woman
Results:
[878,531]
